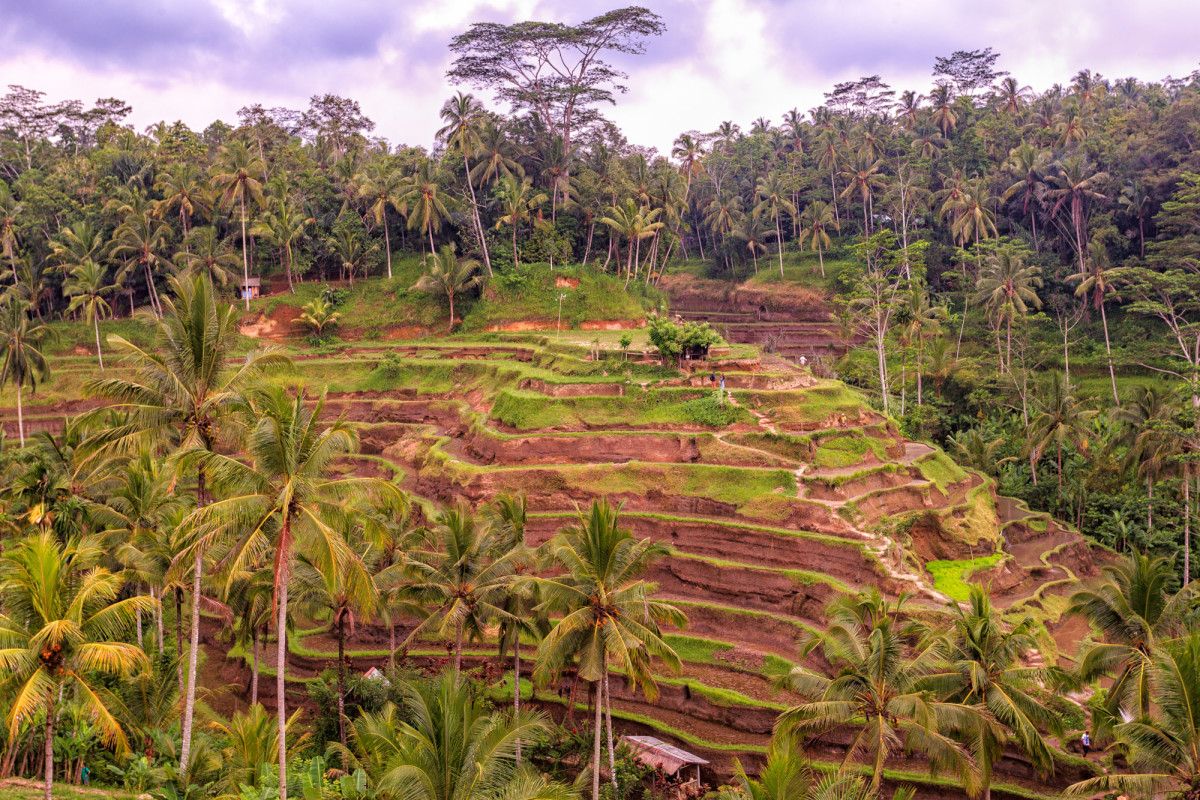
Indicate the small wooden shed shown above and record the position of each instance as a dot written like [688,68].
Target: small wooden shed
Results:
[660,755]
[250,288]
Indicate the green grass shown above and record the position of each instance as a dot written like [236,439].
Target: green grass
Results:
[704,651]
[805,406]
[532,291]
[941,469]
[33,790]
[951,577]
[525,410]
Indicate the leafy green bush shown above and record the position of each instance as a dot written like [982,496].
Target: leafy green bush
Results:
[710,411]
[391,365]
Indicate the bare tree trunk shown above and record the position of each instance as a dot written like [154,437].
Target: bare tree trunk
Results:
[458,647]
[189,707]
[20,416]
[595,752]
[342,686]
[517,688]
[245,254]
[281,684]
[1108,351]
[49,765]
[96,327]
[254,668]
[612,757]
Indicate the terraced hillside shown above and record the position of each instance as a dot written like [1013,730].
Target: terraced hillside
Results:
[793,493]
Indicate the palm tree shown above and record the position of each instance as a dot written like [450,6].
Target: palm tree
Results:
[787,775]
[343,594]
[924,322]
[10,211]
[282,226]
[862,179]
[1151,437]
[452,747]
[281,503]
[348,247]
[972,450]
[1060,419]
[87,289]
[1096,279]
[1136,614]
[1075,189]
[319,315]
[427,207]
[209,255]
[942,102]
[21,352]
[815,221]
[62,627]
[448,275]
[77,244]
[1009,288]
[609,617]
[1029,166]
[1136,200]
[878,689]
[463,116]
[518,202]
[984,667]
[750,230]
[635,224]
[181,186]
[1161,743]
[182,390]
[772,195]
[464,578]
[141,240]
[251,743]
[234,176]
[385,187]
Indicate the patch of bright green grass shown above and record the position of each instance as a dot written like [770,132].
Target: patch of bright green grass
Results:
[941,469]
[529,410]
[950,577]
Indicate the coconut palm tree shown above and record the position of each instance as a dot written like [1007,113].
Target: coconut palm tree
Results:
[1161,744]
[427,206]
[815,223]
[141,241]
[181,393]
[449,275]
[877,687]
[1029,165]
[208,255]
[924,322]
[282,226]
[62,629]
[1096,279]
[77,244]
[862,178]
[463,117]
[788,775]
[1075,188]
[1061,418]
[984,667]
[87,288]
[345,595]
[1151,437]
[21,359]
[972,450]
[462,576]
[1136,614]
[751,231]
[942,103]
[350,251]
[233,175]
[772,196]
[319,315]
[609,617]
[182,186]
[384,187]
[279,502]
[1008,287]
[518,203]
[635,224]
[449,745]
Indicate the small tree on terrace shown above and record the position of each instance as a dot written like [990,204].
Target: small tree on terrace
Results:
[448,275]
[672,339]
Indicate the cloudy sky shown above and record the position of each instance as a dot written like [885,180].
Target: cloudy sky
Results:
[200,60]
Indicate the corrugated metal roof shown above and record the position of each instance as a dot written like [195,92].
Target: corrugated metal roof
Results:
[659,746]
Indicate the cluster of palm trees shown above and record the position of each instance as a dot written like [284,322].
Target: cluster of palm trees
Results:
[269,529]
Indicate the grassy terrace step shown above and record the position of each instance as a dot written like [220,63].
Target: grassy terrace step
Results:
[525,410]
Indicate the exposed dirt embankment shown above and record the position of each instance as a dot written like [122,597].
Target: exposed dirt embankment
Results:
[698,294]
[592,449]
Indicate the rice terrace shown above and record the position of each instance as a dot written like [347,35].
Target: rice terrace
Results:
[569,453]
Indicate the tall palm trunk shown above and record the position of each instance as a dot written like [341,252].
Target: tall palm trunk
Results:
[254,668]
[612,756]
[20,416]
[487,259]
[189,708]
[49,746]
[288,252]
[179,640]
[96,328]
[280,677]
[245,253]
[595,749]
[1108,352]
[517,687]
[458,647]
[779,242]
[342,685]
